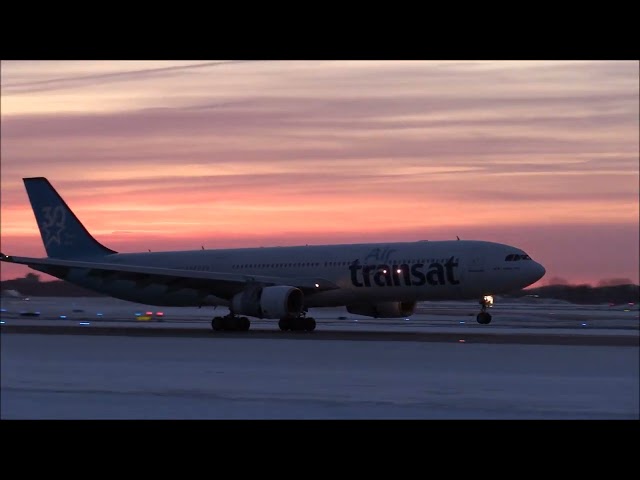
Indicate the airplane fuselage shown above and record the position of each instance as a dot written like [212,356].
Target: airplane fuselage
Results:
[364,273]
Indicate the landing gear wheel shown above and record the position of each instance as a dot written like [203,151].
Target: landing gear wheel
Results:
[309,324]
[217,324]
[300,324]
[484,318]
[244,324]
[284,324]
[230,324]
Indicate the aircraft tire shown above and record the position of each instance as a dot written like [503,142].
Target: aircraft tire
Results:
[309,324]
[284,324]
[244,324]
[484,318]
[218,324]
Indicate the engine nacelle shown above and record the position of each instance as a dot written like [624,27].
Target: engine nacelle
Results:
[383,310]
[268,302]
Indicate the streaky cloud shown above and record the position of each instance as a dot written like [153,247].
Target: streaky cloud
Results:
[93,79]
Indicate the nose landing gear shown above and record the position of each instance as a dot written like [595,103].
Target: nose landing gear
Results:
[484,317]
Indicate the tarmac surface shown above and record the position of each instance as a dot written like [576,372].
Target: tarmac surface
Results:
[529,322]
[110,360]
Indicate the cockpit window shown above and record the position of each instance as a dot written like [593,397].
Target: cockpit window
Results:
[514,257]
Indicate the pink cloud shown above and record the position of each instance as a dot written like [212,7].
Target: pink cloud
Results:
[308,152]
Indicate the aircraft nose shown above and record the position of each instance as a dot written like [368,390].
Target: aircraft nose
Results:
[538,271]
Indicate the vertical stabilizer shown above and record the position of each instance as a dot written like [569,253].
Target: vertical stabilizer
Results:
[62,233]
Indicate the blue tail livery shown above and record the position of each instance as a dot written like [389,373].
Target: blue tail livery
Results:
[62,233]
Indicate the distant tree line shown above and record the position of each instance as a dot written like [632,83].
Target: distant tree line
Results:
[585,294]
[31,286]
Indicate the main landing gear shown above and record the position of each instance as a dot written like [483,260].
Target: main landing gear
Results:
[484,317]
[230,323]
[297,324]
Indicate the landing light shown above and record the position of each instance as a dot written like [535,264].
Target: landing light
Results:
[398,270]
[488,299]
[317,285]
[384,271]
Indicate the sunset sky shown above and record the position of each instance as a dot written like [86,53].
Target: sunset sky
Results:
[159,155]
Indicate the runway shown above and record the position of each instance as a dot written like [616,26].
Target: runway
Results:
[521,323]
[532,362]
[354,335]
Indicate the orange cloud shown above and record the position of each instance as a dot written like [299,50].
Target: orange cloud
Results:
[181,153]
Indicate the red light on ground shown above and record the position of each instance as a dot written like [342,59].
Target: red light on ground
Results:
[461,341]
[149,313]
[159,314]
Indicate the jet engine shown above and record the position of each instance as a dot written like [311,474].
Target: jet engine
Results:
[383,310]
[280,301]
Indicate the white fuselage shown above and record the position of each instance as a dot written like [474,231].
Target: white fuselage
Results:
[364,273]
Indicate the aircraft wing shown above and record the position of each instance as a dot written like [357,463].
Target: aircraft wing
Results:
[220,284]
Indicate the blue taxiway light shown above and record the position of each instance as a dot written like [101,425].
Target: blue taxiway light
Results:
[63,316]
[98,314]
[84,323]
[2,322]
[461,322]
[3,310]
[583,324]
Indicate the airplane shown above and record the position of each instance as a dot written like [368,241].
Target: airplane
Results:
[379,280]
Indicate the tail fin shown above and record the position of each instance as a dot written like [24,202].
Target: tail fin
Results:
[62,233]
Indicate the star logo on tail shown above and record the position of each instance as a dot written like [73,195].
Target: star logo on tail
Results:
[54,224]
